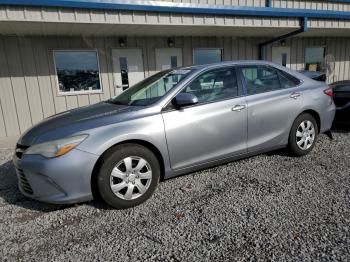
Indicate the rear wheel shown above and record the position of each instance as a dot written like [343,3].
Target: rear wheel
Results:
[303,135]
[128,176]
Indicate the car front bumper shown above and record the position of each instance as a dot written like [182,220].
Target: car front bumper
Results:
[61,180]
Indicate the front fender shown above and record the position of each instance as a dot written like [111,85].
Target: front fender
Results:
[149,129]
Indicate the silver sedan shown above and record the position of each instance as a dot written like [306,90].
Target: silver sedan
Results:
[171,123]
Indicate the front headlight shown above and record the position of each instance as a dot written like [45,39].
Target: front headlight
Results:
[55,148]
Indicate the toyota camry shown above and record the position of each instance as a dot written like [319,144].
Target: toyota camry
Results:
[174,122]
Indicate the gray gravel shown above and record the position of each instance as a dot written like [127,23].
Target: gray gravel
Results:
[269,207]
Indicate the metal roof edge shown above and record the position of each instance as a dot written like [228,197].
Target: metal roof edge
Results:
[184,8]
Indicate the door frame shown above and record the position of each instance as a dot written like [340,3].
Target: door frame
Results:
[112,62]
[288,63]
[155,55]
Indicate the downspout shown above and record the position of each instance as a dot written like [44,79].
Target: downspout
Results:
[303,28]
[268,3]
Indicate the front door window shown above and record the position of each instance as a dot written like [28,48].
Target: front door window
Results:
[215,85]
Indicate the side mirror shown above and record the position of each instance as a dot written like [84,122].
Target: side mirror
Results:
[184,99]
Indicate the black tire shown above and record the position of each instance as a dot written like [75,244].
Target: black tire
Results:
[111,159]
[294,149]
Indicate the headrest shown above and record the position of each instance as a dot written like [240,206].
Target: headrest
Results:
[196,85]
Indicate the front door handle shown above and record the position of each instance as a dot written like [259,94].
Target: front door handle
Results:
[295,95]
[238,108]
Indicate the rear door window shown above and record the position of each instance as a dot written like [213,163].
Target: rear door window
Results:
[260,79]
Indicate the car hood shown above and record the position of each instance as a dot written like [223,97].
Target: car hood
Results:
[76,121]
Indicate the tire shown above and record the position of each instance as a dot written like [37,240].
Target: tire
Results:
[128,176]
[303,135]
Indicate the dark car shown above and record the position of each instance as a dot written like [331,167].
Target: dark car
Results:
[341,96]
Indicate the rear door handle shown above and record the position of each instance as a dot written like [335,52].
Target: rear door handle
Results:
[295,95]
[238,108]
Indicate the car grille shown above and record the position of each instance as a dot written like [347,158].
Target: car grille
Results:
[23,182]
[20,149]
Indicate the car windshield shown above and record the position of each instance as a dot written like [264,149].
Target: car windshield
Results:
[151,89]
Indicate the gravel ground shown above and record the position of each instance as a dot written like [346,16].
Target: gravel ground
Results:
[269,207]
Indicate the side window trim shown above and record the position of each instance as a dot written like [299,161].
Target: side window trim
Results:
[240,84]
[168,106]
[243,81]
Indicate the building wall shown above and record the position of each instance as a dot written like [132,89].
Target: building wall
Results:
[21,20]
[28,84]
[311,4]
[10,14]
[307,4]
[260,3]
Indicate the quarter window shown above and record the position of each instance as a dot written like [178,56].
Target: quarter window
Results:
[287,81]
[77,71]
[214,85]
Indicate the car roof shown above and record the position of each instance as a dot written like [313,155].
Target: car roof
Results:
[248,62]
[228,63]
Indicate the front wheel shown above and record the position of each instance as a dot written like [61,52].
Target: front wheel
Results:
[303,135]
[128,176]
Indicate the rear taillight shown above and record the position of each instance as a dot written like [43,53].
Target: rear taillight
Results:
[328,91]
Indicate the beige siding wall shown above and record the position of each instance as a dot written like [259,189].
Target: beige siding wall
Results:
[83,16]
[71,21]
[221,2]
[28,85]
[306,4]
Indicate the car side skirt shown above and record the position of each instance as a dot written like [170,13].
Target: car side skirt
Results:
[183,171]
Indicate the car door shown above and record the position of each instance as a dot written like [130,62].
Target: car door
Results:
[215,128]
[273,100]
[341,97]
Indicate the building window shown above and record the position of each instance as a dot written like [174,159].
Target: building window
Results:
[314,58]
[77,71]
[207,55]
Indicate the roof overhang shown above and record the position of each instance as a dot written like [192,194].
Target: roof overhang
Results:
[96,30]
[184,8]
[134,30]
[156,18]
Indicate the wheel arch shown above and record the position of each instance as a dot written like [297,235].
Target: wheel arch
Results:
[315,115]
[111,149]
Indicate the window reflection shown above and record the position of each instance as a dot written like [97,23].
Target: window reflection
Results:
[77,71]
[204,56]
[314,58]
